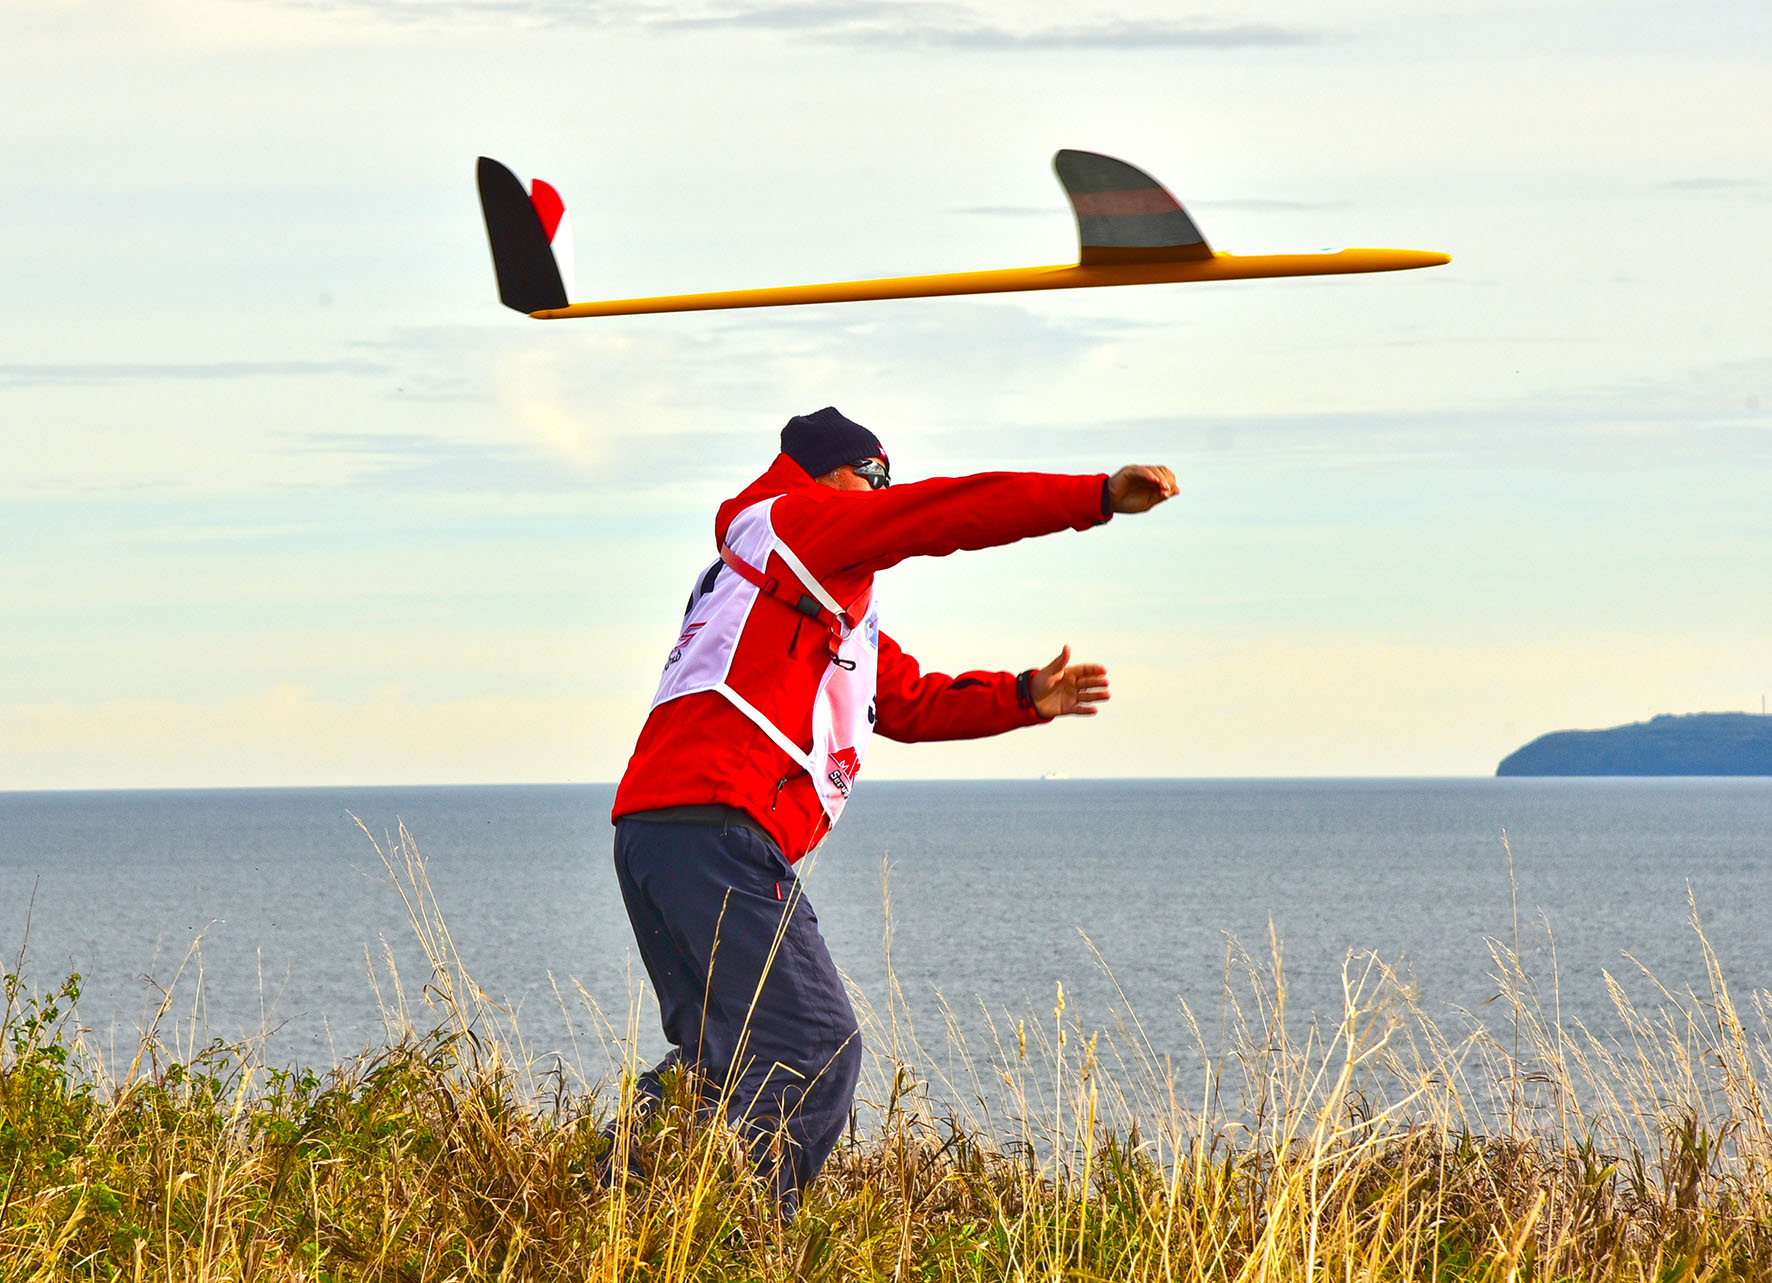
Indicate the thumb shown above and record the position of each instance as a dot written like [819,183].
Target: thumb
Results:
[1058,664]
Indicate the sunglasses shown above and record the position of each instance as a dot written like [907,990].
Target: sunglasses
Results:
[873,472]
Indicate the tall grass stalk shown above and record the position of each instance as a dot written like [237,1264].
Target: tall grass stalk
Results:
[1376,1145]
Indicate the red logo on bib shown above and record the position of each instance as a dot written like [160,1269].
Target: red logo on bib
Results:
[687,637]
[845,765]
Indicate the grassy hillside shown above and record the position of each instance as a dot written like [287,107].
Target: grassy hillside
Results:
[1374,1147]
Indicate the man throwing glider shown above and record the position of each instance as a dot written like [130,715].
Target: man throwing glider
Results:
[758,731]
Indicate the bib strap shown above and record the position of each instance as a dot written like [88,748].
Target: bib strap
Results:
[771,587]
[821,608]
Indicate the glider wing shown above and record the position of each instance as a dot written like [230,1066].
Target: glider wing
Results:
[1130,232]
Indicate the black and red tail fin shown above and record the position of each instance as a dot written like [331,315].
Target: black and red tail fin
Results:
[1124,215]
[531,239]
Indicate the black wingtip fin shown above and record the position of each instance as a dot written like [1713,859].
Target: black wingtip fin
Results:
[528,277]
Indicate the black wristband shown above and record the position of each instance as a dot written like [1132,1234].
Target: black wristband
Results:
[1107,507]
[1024,690]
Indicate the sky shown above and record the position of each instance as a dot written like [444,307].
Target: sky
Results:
[287,498]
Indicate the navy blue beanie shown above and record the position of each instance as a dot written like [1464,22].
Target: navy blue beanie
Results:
[824,440]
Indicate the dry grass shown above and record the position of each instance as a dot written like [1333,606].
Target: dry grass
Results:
[1374,1147]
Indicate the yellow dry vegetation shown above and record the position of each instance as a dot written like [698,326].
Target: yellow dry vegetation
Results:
[1375,1147]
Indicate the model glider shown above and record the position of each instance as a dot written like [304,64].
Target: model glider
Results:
[1132,231]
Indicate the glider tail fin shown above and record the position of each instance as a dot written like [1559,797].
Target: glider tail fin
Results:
[531,239]
[1124,215]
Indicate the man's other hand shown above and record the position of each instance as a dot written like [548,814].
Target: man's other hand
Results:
[1140,487]
[1062,688]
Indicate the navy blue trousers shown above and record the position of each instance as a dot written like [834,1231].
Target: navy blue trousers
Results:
[747,991]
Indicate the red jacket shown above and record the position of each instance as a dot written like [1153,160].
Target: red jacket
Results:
[700,749]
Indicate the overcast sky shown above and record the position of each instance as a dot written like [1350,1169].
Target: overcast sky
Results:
[287,498]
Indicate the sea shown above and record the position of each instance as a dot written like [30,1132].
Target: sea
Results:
[291,919]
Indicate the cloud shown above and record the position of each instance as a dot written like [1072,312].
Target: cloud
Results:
[1257,206]
[590,412]
[590,463]
[1714,417]
[1710,184]
[425,463]
[231,533]
[575,13]
[1251,205]
[814,16]
[1009,211]
[1120,34]
[888,24]
[615,383]
[875,24]
[88,373]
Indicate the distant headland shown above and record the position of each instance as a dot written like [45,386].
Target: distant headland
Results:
[1696,744]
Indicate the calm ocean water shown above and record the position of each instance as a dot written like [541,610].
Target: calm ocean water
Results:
[274,902]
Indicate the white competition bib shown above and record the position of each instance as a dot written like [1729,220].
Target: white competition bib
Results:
[720,605]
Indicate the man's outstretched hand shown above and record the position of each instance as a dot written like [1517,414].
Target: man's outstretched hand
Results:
[1063,688]
[1140,487]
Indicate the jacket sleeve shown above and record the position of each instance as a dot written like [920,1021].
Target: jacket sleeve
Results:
[866,531]
[911,705]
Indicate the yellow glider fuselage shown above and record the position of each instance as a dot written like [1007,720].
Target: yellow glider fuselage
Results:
[1220,267]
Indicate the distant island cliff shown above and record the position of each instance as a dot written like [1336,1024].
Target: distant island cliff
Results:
[1696,744]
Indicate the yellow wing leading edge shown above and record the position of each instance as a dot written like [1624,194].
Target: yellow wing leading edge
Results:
[1130,232]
